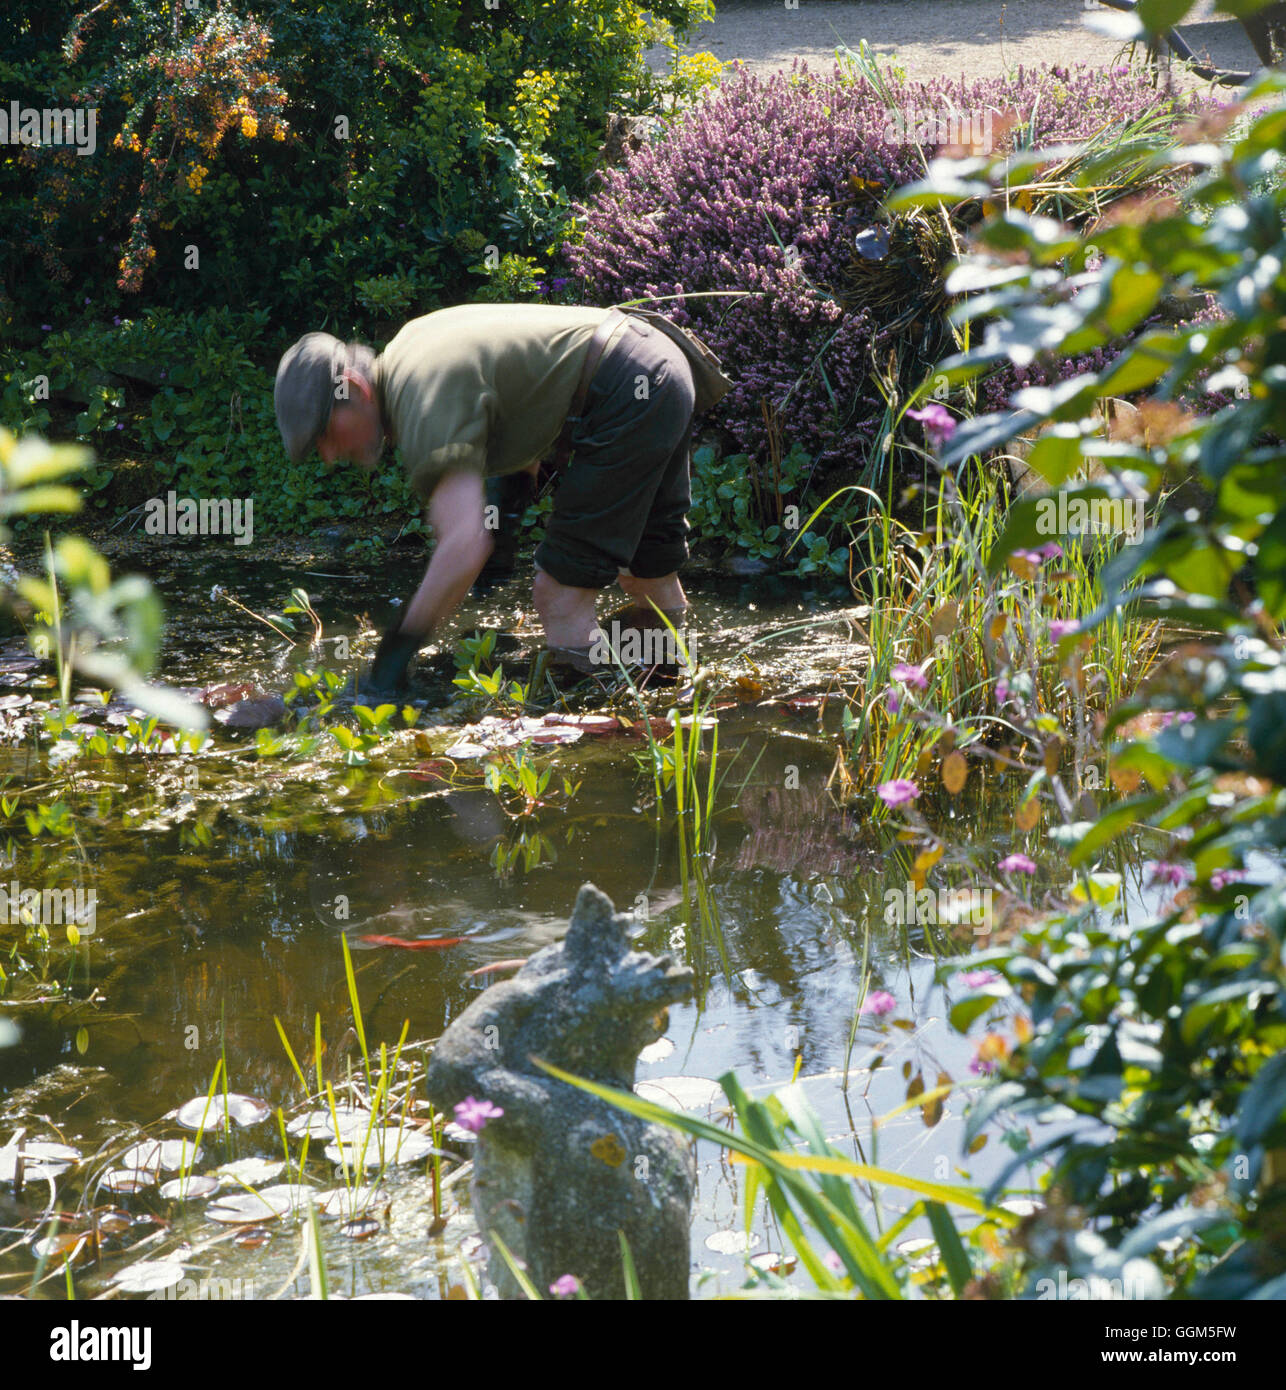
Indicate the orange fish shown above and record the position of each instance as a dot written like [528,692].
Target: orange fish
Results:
[429,945]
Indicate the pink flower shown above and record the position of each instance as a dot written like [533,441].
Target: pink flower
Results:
[1061,627]
[834,1263]
[1051,550]
[879,1002]
[1017,864]
[1033,557]
[906,674]
[565,1286]
[897,792]
[1221,878]
[894,701]
[982,1066]
[1183,716]
[1002,692]
[1163,872]
[939,423]
[975,979]
[473,1114]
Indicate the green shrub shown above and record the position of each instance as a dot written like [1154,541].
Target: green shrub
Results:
[326,161]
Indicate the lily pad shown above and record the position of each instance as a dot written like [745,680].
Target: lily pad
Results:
[732,1242]
[318,1124]
[128,1180]
[190,1189]
[352,1202]
[268,1204]
[208,1114]
[657,1051]
[162,1155]
[41,1159]
[919,1253]
[149,1276]
[774,1262]
[682,1092]
[248,1172]
[71,1246]
[383,1146]
[361,1228]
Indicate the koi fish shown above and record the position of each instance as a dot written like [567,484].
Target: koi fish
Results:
[432,944]
[499,965]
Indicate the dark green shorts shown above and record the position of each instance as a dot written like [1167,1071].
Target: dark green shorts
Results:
[623,500]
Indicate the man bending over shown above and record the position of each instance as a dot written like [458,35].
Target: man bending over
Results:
[485,390]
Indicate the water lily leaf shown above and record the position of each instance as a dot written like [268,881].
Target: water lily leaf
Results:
[190,1189]
[383,1145]
[70,1246]
[682,1092]
[241,1110]
[268,1204]
[249,1172]
[149,1276]
[41,1159]
[129,1180]
[350,1203]
[733,1242]
[317,1124]
[161,1155]
[657,1051]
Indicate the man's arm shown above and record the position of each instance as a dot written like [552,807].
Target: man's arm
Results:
[463,544]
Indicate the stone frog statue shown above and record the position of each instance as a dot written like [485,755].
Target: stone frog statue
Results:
[562,1172]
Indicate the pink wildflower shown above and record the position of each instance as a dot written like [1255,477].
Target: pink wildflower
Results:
[473,1114]
[1017,864]
[898,792]
[939,423]
[975,979]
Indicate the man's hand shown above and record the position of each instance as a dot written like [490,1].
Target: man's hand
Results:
[388,673]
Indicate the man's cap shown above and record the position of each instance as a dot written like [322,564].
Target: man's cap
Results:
[305,391]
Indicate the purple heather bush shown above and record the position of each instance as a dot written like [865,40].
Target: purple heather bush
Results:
[763,166]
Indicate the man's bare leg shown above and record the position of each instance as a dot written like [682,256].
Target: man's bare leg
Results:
[666,592]
[567,614]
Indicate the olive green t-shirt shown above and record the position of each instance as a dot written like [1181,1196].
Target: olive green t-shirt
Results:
[482,388]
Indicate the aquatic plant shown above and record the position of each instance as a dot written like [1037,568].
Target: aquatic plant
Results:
[1161,1030]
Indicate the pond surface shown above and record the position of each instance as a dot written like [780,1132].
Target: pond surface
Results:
[218,911]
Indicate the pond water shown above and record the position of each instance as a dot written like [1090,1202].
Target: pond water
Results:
[217,912]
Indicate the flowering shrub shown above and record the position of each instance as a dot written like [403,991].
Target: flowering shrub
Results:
[754,192]
[301,148]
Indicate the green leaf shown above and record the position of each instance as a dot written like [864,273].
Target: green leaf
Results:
[1113,823]
[954,1256]
[1270,566]
[1263,1107]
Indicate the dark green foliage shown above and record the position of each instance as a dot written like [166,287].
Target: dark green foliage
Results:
[1168,1033]
[264,168]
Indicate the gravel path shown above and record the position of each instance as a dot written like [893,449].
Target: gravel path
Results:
[980,38]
